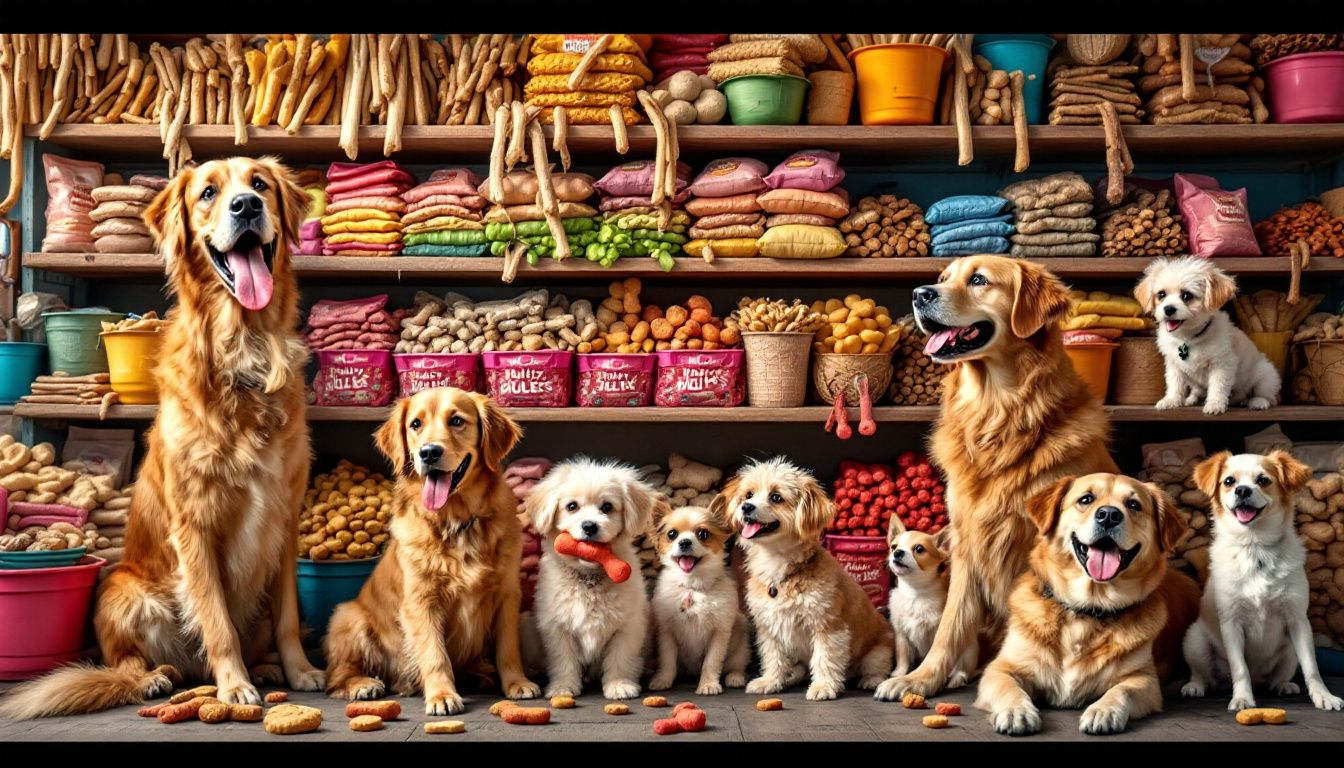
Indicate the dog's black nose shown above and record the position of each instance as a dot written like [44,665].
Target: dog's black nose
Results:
[247,207]
[1169,310]
[898,554]
[431,453]
[1243,491]
[925,295]
[1110,517]
[589,528]
[748,508]
[685,545]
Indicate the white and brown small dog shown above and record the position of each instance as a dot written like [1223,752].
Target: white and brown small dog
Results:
[701,627]
[1253,625]
[920,563]
[804,606]
[590,626]
[1207,357]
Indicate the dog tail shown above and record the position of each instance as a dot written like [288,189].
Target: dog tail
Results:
[74,689]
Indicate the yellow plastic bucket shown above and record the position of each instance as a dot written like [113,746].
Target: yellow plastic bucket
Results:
[1092,361]
[131,356]
[898,82]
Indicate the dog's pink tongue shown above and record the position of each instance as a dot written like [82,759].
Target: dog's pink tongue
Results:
[1245,514]
[750,529]
[1102,565]
[939,340]
[252,282]
[438,485]
[686,563]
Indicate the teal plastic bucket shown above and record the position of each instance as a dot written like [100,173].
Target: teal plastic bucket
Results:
[1029,53]
[325,584]
[73,345]
[765,99]
[20,363]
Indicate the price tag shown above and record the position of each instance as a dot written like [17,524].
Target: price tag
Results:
[577,43]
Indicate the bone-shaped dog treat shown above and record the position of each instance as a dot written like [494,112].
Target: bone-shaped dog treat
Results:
[617,569]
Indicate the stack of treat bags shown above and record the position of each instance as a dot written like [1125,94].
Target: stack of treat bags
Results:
[1052,217]
[965,224]
[310,232]
[119,224]
[674,53]
[804,202]
[630,221]
[728,218]
[1222,91]
[354,324]
[1077,92]
[443,216]
[519,216]
[1099,316]
[521,475]
[612,79]
[364,205]
[778,56]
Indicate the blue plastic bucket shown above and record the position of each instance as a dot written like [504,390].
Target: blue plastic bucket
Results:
[1029,53]
[325,584]
[20,363]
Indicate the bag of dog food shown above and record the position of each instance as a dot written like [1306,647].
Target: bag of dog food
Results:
[635,179]
[700,378]
[70,185]
[815,169]
[103,452]
[1217,222]
[729,176]
[353,377]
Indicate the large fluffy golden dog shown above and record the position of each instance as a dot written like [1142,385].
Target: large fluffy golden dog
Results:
[207,582]
[1015,418]
[1098,617]
[448,581]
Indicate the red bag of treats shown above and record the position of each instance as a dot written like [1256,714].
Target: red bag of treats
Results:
[615,380]
[429,370]
[538,379]
[1217,222]
[700,378]
[353,377]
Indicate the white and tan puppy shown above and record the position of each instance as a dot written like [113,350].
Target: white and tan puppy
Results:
[699,619]
[1207,357]
[1253,625]
[920,564]
[591,627]
[805,608]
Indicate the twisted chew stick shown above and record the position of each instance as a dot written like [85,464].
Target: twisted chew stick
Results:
[581,69]
[617,569]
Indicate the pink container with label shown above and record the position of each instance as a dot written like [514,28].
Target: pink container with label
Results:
[538,379]
[613,380]
[427,371]
[864,558]
[43,612]
[1306,87]
[353,377]
[697,378]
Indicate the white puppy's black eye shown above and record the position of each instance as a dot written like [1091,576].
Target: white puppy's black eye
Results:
[775,498]
[606,507]
[919,549]
[416,424]
[702,534]
[1161,295]
[456,421]
[1186,295]
[1086,499]
[748,496]
[259,185]
[672,534]
[572,506]
[978,279]
[1262,481]
[208,193]
[1133,505]
[1229,481]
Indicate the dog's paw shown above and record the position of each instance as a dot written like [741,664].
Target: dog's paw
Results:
[705,688]
[445,704]
[620,689]
[890,689]
[1215,407]
[821,690]
[560,689]
[158,683]
[1017,721]
[735,680]
[1193,398]
[238,693]
[522,689]
[365,689]
[1193,690]
[1287,688]
[870,682]
[1099,720]
[765,685]
[1258,404]
[956,680]
[307,680]
[1167,403]
[1323,699]
[1240,702]
[661,682]
[267,674]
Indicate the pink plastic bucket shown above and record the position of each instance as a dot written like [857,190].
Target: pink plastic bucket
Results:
[353,377]
[612,380]
[43,613]
[427,371]
[700,378]
[538,379]
[864,558]
[1306,88]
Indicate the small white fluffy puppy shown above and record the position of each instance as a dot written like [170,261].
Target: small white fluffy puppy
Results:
[701,627]
[920,564]
[591,627]
[1253,625]
[1207,357]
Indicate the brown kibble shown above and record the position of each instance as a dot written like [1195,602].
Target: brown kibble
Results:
[386,709]
[913,701]
[770,705]
[655,701]
[503,704]
[616,708]
[446,726]
[562,702]
[246,713]
[935,721]
[277,697]
[366,723]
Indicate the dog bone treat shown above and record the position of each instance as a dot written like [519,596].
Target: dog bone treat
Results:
[214,712]
[277,697]
[367,723]
[913,701]
[532,321]
[691,719]
[775,316]
[446,726]
[616,709]
[562,702]
[526,715]
[616,569]
[1256,716]
[886,226]
[655,701]
[187,710]
[855,325]
[770,705]
[935,721]
[387,709]
[947,708]
[246,713]
[288,719]
[345,514]
[666,727]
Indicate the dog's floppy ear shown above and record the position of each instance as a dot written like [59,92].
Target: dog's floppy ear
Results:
[1040,299]
[1207,473]
[168,220]
[1292,474]
[541,502]
[640,500]
[1143,292]
[1044,506]
[661,509]
[294,202]
[499,432]
[1171,524]
[814,510]
[1219,287]
[391,438]
[719,506]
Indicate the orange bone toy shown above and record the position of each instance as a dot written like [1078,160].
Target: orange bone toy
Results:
[617,569]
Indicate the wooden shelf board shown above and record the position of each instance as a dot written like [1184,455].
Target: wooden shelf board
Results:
[814,414]
[399,268]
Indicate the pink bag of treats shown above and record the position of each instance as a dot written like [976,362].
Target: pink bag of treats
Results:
[729,176]
[1217,222]
[327,312]
[416,372]
[538,379]
[353,377]
[814,169]
[700,378]
[445,181]
[635,179]
[638,201]
[611,380]
[70,185]
[368,180]
[864,558]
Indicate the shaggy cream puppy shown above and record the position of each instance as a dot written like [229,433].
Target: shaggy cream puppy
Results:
[591,627]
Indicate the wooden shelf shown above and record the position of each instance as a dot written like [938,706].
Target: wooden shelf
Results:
[882,144]
[814,414]
[419,268]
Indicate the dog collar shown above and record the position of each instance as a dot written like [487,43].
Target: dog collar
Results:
[1100,614]
[1183,351]
[773,589]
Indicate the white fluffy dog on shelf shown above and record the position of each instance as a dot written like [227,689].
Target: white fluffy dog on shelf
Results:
[1207,357]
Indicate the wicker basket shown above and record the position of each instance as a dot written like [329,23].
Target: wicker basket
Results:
[1093,50]
[1325,366]
[776,368]
[833,371]
[1137,372]
[1333,200]
[830,97]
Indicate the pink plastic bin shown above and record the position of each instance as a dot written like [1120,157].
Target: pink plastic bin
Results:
[427,371]
[538,379]
[864,558]
[1306,88]
[700,378]
[43,613]
[613,380]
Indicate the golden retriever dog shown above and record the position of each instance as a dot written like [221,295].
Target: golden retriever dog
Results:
[448,582]
[1015,418]
[805,608]
[207,583]
[1098,617]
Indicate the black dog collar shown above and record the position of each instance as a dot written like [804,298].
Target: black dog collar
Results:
[1183,351]
[1100,614]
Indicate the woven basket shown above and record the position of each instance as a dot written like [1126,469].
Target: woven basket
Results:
[829,99]
[1333,200]
[1325,366]
[776,368]
[1137,372]
[833,371]
[1094,50]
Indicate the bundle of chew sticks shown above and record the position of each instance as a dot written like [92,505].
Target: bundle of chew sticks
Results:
[62,388]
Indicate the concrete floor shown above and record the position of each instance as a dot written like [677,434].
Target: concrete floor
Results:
[731,717]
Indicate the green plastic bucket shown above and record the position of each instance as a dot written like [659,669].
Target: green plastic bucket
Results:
[73,345]
[1029,53]
[20,363]
[765,99]
[325,584]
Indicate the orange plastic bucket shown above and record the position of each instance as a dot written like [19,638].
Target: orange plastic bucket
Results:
[898,82]
[1092,361]
[131,356]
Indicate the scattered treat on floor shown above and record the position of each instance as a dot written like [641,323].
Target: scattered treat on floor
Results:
[666,727]
[690,719]
[935,721]
[501,705]
[526,715]
[277,697]
[655,701]
[947,708]
[246,713]
[913,701]
[770,705]
[388,710]
[289,719]
[446,726]
[562,702]
[616,709]
[366,723]
[213,711]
